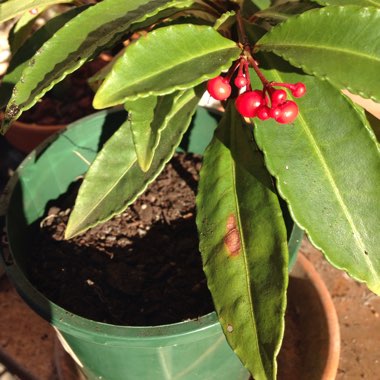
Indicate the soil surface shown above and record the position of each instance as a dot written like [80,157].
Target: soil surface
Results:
[140,268]
[69,100]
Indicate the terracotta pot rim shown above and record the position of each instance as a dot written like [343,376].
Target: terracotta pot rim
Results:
[332,363]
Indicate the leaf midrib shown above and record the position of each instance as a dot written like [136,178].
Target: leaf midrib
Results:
[170,68]
[320,47]
[247,277]
[357,237]
[96,205]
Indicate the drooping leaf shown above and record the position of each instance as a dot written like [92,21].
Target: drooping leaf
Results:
[89,33]
[168,59]
[20,60]
[244,245]
[147,118]
[344,46]
[363,3]
[13,8]
[327,166]
[115,179]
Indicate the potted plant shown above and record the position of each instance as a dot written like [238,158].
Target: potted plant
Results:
[279,70]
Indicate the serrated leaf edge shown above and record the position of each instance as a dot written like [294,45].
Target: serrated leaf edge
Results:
[306,68]
[69,234]
[340,201]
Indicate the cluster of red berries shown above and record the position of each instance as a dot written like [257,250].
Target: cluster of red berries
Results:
[263,104]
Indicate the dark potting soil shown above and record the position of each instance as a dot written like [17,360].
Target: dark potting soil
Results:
[140,268]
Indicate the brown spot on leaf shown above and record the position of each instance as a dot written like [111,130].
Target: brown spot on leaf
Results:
[232,237]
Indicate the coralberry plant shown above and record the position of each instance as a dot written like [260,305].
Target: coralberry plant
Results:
[313,149]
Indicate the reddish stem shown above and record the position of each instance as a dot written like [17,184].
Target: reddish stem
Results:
[290,86]
[247,50]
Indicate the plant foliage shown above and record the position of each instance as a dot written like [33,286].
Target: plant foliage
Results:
[324,162]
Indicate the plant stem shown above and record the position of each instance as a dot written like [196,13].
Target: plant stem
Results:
[247,49]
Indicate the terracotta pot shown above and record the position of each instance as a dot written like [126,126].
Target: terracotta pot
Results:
[26,137]
[317,321]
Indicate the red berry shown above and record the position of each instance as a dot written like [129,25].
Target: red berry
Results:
[288,111]
[263,112]
[298,90]
[219,88]
[274,112]
[278,97]
[248,103]
[240,81]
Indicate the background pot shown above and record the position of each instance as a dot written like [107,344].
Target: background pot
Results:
[26,137]
[187,350]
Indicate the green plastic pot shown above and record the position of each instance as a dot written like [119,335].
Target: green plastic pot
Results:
[192,350]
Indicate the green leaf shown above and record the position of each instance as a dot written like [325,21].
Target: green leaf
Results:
[244,245]
[261,4]
[363,3]
[147,117]
[374,122]
[22,29]
[82,38]
[115,179]
[225,21]
[168,59]
[20,60]
[13,8]
[343,47]
[282,12]
[327,166]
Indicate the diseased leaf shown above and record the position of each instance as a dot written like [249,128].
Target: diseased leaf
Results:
[349,35]
[244,245]
[168,59]
[89,33]
[115,179]
[148,119]
[13,8]
[327,166]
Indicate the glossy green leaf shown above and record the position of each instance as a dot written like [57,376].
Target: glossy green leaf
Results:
[282,12]
[115,179]
[344,46]
[13,8]
[22,29]
[375,124]
[145,128]
[244,245]
[363,3]
[225,21]
[261,4]
[20,60]
[89,33]
[168,59]
[327,166]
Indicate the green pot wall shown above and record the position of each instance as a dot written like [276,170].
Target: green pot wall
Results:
[188,350]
